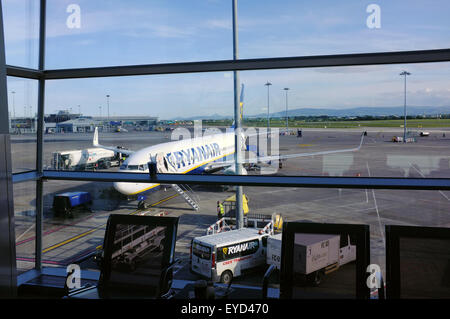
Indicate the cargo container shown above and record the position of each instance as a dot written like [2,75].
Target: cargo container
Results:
[315,255]
[64,203]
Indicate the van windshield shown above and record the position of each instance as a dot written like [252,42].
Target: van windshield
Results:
[203,252]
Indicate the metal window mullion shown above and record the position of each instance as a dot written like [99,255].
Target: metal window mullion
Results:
[25,177]
[22,72]
[8,265]
[40,139]
[257,180]
[400,57]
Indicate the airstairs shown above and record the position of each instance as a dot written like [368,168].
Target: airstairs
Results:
[188,194]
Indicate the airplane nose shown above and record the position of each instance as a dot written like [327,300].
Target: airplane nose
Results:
[128,188]
[124,188]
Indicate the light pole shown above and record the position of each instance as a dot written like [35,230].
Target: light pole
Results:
[237,124]
[287,124]
[268,84]
[14,105]
[107,102]
[404,73]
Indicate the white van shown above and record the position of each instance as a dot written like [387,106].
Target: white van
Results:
[222,256]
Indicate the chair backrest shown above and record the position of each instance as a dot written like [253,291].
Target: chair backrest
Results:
[320,261]
[137,253]
[417,262]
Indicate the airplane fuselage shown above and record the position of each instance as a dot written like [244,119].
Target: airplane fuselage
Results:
[178,157]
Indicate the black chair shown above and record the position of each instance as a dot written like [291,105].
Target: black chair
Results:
[417,262]
[138,258]
[306,274]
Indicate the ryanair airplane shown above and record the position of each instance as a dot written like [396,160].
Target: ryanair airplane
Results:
[204,154]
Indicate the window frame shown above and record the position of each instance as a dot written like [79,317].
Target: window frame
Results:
[42,75]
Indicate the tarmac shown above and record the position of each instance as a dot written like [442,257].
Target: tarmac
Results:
[69,239]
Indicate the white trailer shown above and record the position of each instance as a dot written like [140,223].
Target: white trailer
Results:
[315,255]
[81,159]
[273,256]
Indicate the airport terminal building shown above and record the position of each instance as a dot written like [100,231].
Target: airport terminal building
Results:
[258,214]
[88,124]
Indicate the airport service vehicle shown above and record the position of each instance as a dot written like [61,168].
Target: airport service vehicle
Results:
[423,133]
[64,203]
[399,139]
[82,159]
[207,153]
[229,254]
[273,255]
[317,255]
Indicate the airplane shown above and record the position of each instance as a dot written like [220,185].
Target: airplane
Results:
[197,155]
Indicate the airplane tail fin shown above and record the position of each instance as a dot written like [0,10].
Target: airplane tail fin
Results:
[241,105]
[95,140]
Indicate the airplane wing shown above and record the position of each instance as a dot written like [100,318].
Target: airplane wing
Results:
[112,148]
[260,159]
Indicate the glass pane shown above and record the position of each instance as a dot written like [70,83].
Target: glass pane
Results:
[298,28]
[21,28]
[103,33]
[25,219]
[131,114]
[330,110]
[22,105]
[74,230]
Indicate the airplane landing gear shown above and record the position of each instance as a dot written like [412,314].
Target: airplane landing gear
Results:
[142,204]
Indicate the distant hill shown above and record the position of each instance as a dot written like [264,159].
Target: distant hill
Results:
[363,111]
[357,111]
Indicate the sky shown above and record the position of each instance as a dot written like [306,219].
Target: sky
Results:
[113,32]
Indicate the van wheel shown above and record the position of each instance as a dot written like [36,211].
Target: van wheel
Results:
[317,278]
[226,277]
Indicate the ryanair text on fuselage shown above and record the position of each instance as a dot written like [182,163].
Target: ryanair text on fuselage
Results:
[193,155]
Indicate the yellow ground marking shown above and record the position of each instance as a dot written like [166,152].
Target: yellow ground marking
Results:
[97,228]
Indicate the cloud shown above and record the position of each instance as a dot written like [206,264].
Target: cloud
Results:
[219,24]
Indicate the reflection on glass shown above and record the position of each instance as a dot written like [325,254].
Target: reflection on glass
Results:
[424,268]
[21,30]
[323,266]
[137,255]
[22,109]
[24,216]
